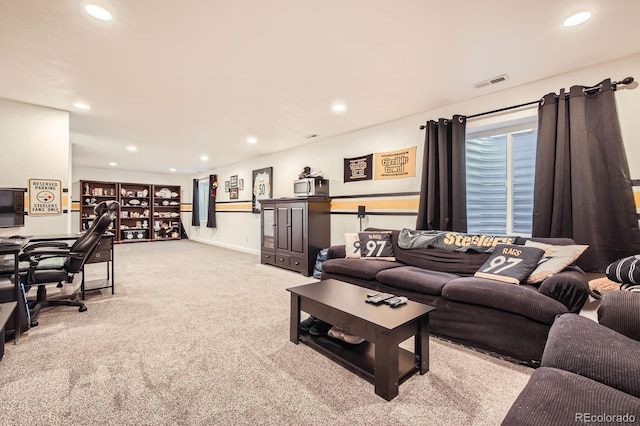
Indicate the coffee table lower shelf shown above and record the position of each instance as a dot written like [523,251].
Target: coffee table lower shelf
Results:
[359,359]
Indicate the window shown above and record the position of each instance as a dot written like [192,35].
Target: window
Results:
[203,198]
[500,178]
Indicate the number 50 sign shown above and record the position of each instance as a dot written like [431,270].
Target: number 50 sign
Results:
[262,187]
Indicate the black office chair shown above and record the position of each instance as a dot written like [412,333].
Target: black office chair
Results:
[56,262]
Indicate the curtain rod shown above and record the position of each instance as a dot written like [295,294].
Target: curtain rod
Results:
[614,85]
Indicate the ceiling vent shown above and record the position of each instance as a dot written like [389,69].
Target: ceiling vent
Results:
[490,81]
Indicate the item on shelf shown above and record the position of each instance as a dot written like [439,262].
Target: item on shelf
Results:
[165,203]
[144,203]
[174,214]
[123,192]
[145,213]
[164,193]
[174,194]
[173,203]
[134,202]
[145,192]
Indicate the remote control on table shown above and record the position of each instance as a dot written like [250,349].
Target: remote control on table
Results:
[378,298]
[396,301]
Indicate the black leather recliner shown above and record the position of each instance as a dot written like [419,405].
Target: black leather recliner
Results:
[56,262]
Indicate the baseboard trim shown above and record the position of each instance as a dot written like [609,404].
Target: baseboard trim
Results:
[227,246]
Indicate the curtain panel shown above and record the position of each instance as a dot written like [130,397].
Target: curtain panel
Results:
[211,209]
[443,200]
[582,184]
[195,211]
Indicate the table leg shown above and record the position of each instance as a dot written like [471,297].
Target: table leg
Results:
[385,369]
[422,344]
[294,318]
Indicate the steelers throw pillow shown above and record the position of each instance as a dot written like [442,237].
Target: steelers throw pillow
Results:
[510,263]
[376,245]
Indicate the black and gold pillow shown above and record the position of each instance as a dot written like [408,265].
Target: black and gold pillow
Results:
[376,245]
[510,263]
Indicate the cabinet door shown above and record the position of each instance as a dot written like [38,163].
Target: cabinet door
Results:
[298,228]
[283,225]
[268,228]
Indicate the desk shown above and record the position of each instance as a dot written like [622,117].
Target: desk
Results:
[102,253]
[14,249]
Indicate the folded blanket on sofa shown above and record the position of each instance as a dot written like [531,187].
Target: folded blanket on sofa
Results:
[453,241]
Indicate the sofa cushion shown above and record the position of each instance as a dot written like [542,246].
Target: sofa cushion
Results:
[523,300]
[556,397]
[358,268]
[510,263]
[376,245]
[582,346]
[415,279]
[465,264]
[352,245]
[555,259]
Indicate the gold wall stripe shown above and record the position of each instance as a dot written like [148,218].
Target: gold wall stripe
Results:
[384,204]
[636,197]
[186,208]
[233,207]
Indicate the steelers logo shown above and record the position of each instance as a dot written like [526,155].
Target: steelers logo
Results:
[45,196]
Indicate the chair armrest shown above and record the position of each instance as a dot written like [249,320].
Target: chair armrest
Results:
[620,311]
[569,287]
[337,252]
[45,244]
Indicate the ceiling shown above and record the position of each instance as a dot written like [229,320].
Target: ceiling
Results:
[179,80]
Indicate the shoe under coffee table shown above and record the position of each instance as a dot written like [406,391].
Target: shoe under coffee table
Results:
[379,359]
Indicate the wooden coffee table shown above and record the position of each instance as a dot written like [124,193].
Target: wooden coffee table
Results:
[379,359]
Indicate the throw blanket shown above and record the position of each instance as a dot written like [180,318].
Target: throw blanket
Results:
[452,241]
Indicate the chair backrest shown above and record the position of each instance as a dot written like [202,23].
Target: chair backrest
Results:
[89,240]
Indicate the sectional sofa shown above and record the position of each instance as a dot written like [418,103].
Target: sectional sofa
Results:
[504,319]
[589,372]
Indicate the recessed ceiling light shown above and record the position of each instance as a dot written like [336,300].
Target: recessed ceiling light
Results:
[252,140]
[339,107]
[577,19]
[98,12]
[204,158]
[172,169]
[113,163]
[80,105]
[132,148]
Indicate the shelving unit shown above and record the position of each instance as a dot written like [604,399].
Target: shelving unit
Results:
[94,192]
[166,212]
[135,212]
[147,212]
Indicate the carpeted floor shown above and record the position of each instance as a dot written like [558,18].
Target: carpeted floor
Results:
[198,335]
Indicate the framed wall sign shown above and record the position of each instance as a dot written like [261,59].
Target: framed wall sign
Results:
[233,181]
[45,197]
[241,184]
[233,194]
[262,187]
[226,186]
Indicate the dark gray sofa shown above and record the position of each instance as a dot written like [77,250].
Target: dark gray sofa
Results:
[589,372]
[511,321]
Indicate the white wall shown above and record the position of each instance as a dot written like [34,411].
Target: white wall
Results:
[35,145]
[242,230]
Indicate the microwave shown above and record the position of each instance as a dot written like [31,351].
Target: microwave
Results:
[311,187]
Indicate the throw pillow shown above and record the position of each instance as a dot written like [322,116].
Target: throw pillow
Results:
[555,259]
[376,245]
[625,270]
[510,263]
[352,245]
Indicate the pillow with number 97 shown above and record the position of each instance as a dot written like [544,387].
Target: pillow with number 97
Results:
[376,245]
[510,263]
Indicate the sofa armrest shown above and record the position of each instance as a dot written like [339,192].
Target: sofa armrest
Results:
[620,311]
[569,287]
[337,252]
[582,346]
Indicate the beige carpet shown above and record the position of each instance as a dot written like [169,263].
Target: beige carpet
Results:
[198,335]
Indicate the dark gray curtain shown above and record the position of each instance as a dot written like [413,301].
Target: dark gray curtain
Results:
[211,209]
[443,193]
[195,212]
[582,184]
